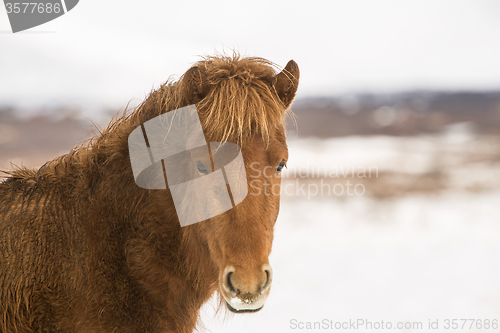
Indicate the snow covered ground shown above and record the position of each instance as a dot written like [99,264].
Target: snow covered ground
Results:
[412,259]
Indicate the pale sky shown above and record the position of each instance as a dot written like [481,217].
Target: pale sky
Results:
[111,52]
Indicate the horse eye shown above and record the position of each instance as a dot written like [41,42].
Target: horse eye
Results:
[280,167]
[201,168]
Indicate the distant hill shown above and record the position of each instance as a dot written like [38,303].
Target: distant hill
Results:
[49,133]
[396,114]
[33,141]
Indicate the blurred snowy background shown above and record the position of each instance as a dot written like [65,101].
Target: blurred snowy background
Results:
[390,204]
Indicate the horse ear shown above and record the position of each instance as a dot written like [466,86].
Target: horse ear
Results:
[194,85]
[287,82]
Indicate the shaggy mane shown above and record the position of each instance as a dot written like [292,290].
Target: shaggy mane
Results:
[241,99]
[241,102]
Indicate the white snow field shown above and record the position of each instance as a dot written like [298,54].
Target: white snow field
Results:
[410,260]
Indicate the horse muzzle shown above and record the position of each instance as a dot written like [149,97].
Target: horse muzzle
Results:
[246,290]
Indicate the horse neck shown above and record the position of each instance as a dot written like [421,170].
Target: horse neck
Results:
[157,231]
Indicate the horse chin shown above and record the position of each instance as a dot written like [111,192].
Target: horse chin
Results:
[242,310]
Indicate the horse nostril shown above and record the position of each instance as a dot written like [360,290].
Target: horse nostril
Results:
[268,277]
[229,284]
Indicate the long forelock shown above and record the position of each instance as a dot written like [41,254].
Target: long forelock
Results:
[242,102]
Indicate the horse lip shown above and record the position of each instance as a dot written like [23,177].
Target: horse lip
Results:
[242,310]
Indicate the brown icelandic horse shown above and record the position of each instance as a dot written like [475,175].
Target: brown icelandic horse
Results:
[84,249]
